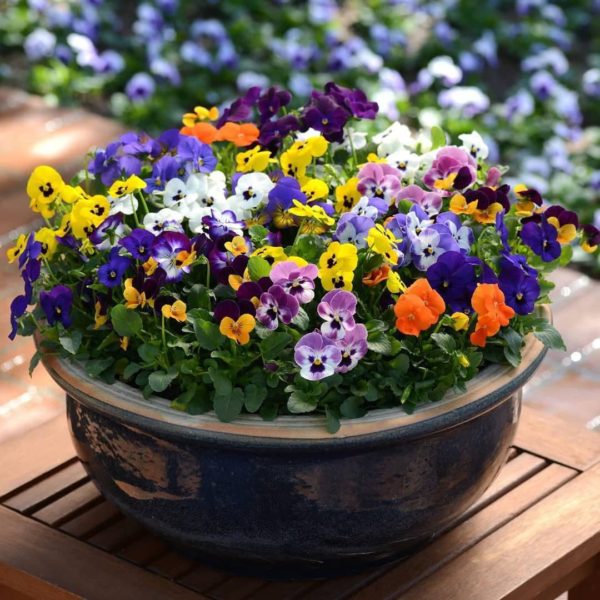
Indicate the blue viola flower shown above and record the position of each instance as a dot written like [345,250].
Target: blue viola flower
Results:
[462,234]
[198,156]
[453,276]
[140,87]
[111,274]
[57,305]
[430,244]
[139,244]
[174,253]
[521,290]
[281,197]
[542,239]
[353,229]
[18,307]
[163,170]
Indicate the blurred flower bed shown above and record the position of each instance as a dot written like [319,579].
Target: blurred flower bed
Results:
[523,72]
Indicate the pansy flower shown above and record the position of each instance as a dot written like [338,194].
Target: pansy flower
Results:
[44,187]
[18,307]
[452,169]
[379,180]
[297,281]
[20,244]
[489,203]
[317,356]
[219,223]
[108,232]
[337,309]
[281,199]
[121,195]
[370,207]
[462,234]
[453,277]
[111,273]
[87,214]
[430,202]
[521,290]
[353,347]
[240,134]
[165,219]
[542,238]
[527,200]
[382,241]
[173,252]
[176,311]
[565,222]
[430,244]
[179,195]
[327,116]
[57,305]
[347,195]
[337,265]
[591,238]
[418,308]
[138,243]
[196,156]
[353,229]
[254,159]
[251,193]
[473,144]
[488,302]
[276,305]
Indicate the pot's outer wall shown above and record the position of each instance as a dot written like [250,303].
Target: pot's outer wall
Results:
[301,511]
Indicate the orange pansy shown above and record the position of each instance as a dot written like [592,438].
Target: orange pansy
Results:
[432,300]
[240,134]
[376,276]
[412,315]
[205,132]
[239,330]
[492,312]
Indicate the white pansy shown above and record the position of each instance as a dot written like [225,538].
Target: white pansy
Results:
[180,195]
[358,138]
[209,189]
[405,161]
[393,138]
[473,144]
[251,193]
[165,219]
[306,135]
[127,204]
[363,209]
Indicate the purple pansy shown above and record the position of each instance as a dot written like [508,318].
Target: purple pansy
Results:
[317,357]
[453,277]
[430,244]
[271,102]
[172,252]
[197,155]
[353,229]
[521,290]
[276,305]
[111,273]
[542,239]
[273,132]
[430,202]
[325,115]
[138,243]
[296,281]
[452,168]
[233,309]
[104,236]
[379,180]
[337,308]
[18,307]
[57,304]
[355,101]
[353,347]
[462,234]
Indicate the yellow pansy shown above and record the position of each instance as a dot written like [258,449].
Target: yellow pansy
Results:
[254,159]
[150,266]
[294,164]
[314,146]
[47,239]
[176,311]
[566,233]
[127,186]
[336,280]
[315,213]
[235,281]
[460,206]
[124,343]
[87,214]
[337,265]
[272,254]
[460,321]
[315,189]
[72,194]
[382,241]
[133,297]
[373,158]
[394,283]
[44,185]
[488,215]
[347,195]
[238,330]
[20,244]
[237,246]
[201,113]
[101,315]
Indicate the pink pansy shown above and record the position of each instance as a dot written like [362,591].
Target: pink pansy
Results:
[337,308]
[353,347]
[378,180]
[430,202]
[452,169]
[297,281]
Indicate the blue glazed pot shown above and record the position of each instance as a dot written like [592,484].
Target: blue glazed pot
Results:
[286,497]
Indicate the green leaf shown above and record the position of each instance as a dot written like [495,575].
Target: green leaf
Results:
[332,420]
[223,386]
[254,396]
[272,346]
[549,336]
[71,342]
[159,381]
[258,233]
[208,335]
[309,247]
[375,325]
[127,323]
[198,297]
[131,369]
[258,267]
[301,320]
[34,362]
[400,364]
[148,353]
[299,403]
[444,341]
[566,255]
[228,406]
[97,365]
[379,342]
[438,137]
[352,408]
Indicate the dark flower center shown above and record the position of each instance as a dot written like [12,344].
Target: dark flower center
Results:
[46,189]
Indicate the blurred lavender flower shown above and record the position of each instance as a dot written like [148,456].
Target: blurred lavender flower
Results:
[548,59]
[166,70]
[322,11]
[591,82]
[519,105]
[470,101]
[40,43]
[140,87]
[543,85]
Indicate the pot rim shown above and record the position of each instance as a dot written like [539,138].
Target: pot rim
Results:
[488,388]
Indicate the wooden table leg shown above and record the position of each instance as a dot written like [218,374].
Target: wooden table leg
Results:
[589,588]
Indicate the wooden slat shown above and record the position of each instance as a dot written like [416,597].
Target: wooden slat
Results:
[531,552]
[557,439]
[458,540]
[171,565]
[27,457]
[202,578]
[67,563]
[68,505]
[117,535]
[144,549]
[282,590]
[236,588]
[24,586]
[92,520]
[58,484]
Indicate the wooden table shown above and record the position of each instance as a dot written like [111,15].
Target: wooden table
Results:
[534,534]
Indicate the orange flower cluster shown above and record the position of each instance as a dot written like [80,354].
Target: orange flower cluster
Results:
[492,312]
[240,134]
[418,308]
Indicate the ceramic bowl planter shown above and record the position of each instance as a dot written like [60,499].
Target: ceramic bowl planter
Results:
[286,496]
